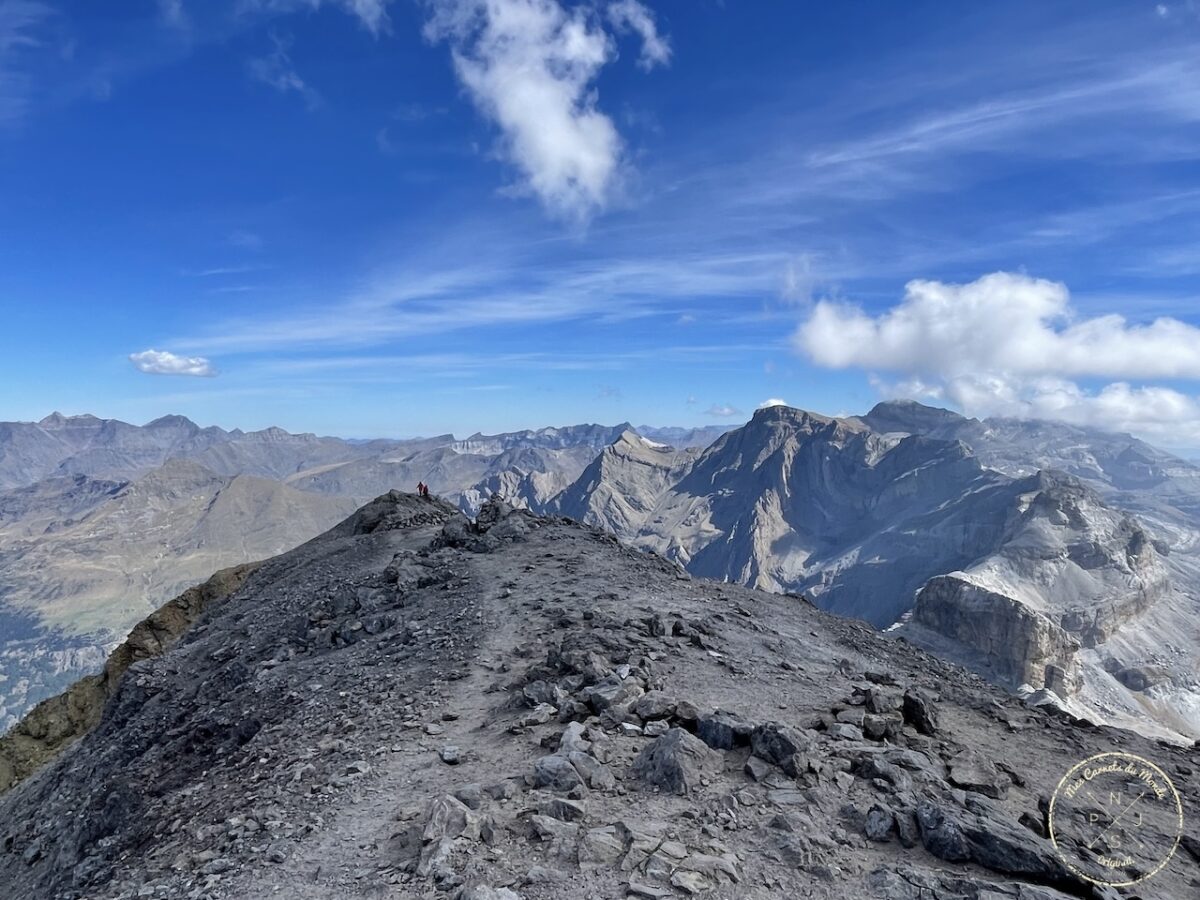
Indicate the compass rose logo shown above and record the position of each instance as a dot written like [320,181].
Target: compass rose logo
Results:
[1116,819]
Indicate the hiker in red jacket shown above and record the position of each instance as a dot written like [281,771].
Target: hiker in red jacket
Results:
[421,489]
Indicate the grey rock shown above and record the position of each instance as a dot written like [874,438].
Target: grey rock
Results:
[557,773]
[539,715]
[879,824]
[942,835]
[919,712]
[470,795]
[974,772]
[723,730]
[572,739]
[758,769]
[595,774]
[601,847]
[677,762]
[845,732]
[502,790]
[655,705]
[657,728]
[565,810]
[612,692]
[781,745]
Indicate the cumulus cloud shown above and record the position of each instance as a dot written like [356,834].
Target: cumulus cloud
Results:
[1001,323]
[1012,345]
[627,15]
[529,67]
[773,401]
[161,362]
[722,411]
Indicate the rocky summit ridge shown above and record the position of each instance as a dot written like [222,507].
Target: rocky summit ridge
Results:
[418,705]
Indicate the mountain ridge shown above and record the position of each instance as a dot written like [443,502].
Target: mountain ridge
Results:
[415,704]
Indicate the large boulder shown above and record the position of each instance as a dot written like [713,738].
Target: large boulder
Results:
[677,762]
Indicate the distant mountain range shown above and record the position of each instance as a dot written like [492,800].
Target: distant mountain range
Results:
[102,521]
[1047,557]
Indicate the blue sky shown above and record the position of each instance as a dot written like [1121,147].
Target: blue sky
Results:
[389,218]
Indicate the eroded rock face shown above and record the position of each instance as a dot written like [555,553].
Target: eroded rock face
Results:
[1012,641]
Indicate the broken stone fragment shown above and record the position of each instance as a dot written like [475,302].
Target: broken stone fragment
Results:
[723,730]
[595,774]
[781,745]
[879,824]
[973,772]
[539,715]
[557,773]
[655,705]
[601,847]
[470,795]
[572,739]
[562,809]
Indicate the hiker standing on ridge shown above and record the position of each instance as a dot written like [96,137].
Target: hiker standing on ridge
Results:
[421,489]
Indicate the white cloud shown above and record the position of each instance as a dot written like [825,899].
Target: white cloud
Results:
[630,14]
[372,13]
[773,401]
[161,362]
[1010,345]
[722,411]
[1004,323]
[276,69]
[529,66]
[20,21]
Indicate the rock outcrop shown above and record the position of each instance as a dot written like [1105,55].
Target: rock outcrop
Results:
[54,724]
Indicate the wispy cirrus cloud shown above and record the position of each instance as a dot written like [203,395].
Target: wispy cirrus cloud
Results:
[276,70]
[21,22]
[162,362]
[373,14]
